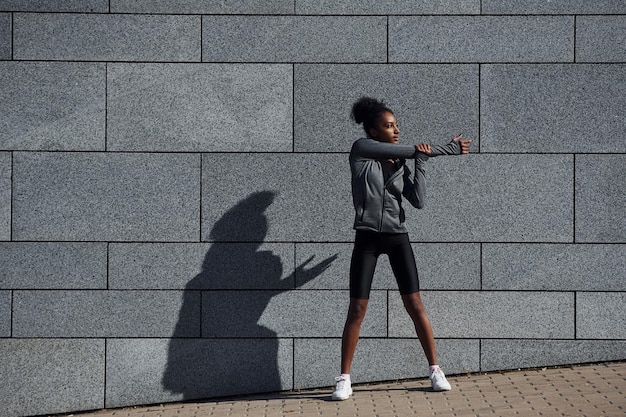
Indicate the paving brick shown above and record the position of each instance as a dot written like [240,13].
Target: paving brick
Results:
[149,371]
[33,265]
[545,267]
[52,106]
[499,354]
[600,198]
[317,361]
[203,107]
[569,7]
[106,314]
[276,197]
[5,195]
[552,108]
[201,266]
[364,7]
[6,28]
[87,6]
[439,265]
[601,315]
[106,196]
[433,103]
[51,376]
[601,38]
[5,313]
[310,313]
[294,38]
[203,7]
[106,37]
[481,39]
[472,314]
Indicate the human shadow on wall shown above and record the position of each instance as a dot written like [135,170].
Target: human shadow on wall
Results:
[224,302]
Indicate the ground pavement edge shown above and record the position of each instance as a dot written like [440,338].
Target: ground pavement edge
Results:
[592,390]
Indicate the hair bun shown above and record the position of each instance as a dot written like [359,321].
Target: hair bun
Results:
[367,110]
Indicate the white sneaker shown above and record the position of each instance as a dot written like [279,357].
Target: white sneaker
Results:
[439,381]
[343,389]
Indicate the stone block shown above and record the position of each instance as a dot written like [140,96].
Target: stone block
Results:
[552,108]
[6,28]
[497,198]
[200,108]
[5,195]
[106,196]
[447,266]
[317,360]
[284,197]
[276,197]
[85,6]
[271,314]
[498,354]
[569,7]
[34,265]
[147,371]
[294,38]
[44,377]
[386,7]
[439,266]
[601,38]
[83,313]
[601,315]
[600,198]
[203,7]
[472,314]
[155,265]
[548,267]
[433,103]
[5,313]
[195,266]
[106,37]
[481,39]
[52,106]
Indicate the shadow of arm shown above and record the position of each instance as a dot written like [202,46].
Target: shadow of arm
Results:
[305,275]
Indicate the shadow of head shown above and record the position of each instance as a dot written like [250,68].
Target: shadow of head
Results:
[246,221]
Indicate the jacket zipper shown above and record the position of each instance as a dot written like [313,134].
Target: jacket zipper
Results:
[382,213]
[382,210]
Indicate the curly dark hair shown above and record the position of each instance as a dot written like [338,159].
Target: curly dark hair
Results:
[367,110]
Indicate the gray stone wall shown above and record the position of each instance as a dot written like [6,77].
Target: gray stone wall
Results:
[175,211]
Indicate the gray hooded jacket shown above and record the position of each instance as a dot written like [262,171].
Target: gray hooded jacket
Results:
[378,200]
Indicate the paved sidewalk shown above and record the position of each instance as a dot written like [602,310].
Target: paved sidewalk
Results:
[589,390]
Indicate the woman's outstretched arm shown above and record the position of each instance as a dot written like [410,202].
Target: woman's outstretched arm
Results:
[457,146]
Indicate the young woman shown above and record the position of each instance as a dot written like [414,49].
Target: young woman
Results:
[380,178]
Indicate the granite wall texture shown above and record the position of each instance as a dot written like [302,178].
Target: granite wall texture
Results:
[175,212]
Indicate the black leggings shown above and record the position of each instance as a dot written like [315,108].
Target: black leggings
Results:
[367,248]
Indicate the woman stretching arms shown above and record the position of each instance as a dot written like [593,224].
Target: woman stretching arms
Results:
[380,178]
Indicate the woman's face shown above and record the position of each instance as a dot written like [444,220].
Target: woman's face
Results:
[387,129]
